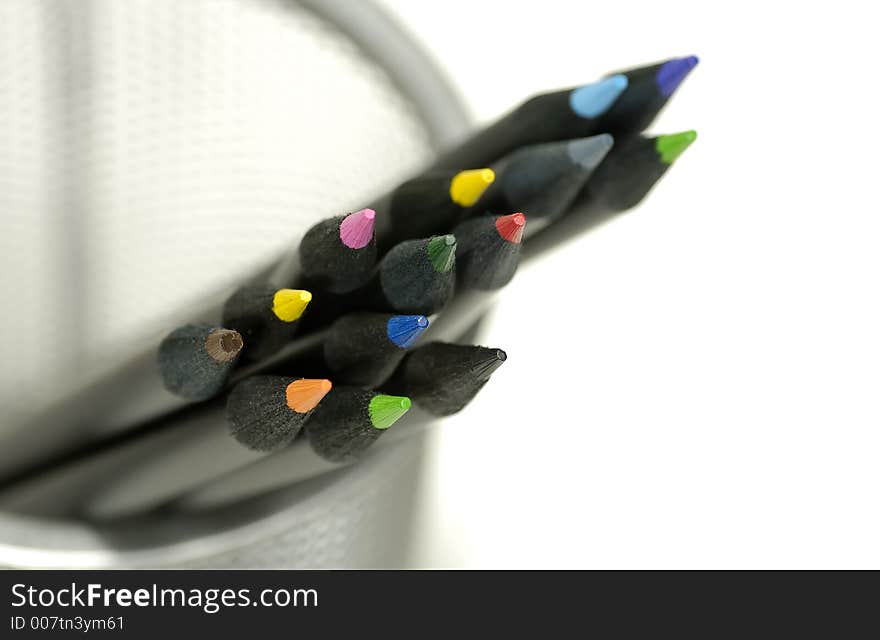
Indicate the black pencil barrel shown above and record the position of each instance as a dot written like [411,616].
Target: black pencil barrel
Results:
[418,208]
[416,276]
[195,360]
[350,420]
[623,179]
[266,413]
[542,180]
[363,349]
[328,263]
[250,312]
[443,378]
[489,250]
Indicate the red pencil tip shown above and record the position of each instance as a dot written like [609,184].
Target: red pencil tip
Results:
[511,227]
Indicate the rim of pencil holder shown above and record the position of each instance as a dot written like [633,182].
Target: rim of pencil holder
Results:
[40,543]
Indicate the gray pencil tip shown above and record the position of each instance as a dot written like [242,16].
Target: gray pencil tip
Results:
[589,152]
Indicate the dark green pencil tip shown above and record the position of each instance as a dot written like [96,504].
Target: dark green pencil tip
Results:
[386,410]
[671,146]
[441,252]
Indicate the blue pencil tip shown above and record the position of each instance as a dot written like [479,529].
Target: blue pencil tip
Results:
[589,152]
[672,73]
[405,330]
[592,100]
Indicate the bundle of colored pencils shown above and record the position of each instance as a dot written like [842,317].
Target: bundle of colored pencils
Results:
[310,366]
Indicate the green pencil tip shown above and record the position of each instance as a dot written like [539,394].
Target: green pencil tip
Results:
[441,252]
[386,410]
[673,145]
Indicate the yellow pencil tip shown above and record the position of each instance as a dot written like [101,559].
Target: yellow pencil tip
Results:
[467,186]
[288,304]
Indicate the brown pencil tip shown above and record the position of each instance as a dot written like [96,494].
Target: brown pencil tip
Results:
[304,395]
[223,345]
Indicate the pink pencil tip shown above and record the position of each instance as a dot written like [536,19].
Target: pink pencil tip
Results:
[511,227]
[356,230]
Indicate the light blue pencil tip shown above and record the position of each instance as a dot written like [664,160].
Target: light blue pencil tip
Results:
[592,100]
[618,81]
[589,152]
[405,330]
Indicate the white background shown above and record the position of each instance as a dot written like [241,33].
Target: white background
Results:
[695,384]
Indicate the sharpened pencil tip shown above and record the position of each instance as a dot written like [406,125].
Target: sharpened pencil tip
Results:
[672,73]
[592,100]
[511,227]
[289,304]
[386,410]
[441,252]
[467,186]
[356,229]
[223,345]
[589,152]
[304,395]
[488,365]
[670,147]
[405,330]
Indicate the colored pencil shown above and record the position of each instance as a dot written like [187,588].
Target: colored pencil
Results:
[620,104]
[267,412]
[627,175]
[488,250]
[338,254]
[195,360]
[351,420]
[443,378]
[622,181]
[429,204]
[415,277]
[542,179]
[363,349]
[648,90]
[265,317]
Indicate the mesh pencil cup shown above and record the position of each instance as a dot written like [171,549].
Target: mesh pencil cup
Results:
[162,149]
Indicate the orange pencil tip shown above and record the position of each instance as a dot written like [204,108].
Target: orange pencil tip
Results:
[304,395]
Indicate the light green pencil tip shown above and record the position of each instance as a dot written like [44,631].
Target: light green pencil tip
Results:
[386,410]
[671,146]
[441,252]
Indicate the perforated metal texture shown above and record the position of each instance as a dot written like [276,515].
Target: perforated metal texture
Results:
[155,150]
